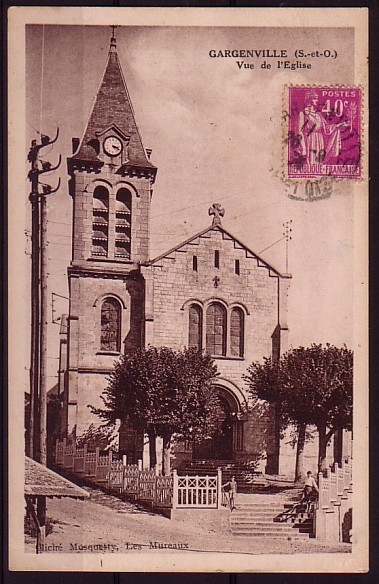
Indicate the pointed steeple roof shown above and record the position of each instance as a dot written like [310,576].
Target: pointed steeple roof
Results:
[113,108]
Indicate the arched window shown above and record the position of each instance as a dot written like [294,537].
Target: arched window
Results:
[123,223]
[100,222]
[216,329]
[195,327]
[110,339]
[236,332]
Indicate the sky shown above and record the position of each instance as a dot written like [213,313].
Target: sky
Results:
[217,135]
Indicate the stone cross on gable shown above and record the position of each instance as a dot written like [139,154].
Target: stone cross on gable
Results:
[218,212]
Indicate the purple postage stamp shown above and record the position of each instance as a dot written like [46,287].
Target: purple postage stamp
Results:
[324,132]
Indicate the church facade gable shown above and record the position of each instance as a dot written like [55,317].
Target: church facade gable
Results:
[212,269]
[213,294]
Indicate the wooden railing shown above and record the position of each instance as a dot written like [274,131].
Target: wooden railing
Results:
[130,479]
[90,462]
[176,492]
[79,460]
[198,492]
[116,476]
[103,466]
[164,491]
[146,485]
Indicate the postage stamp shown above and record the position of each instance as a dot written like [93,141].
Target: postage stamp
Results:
[324,132]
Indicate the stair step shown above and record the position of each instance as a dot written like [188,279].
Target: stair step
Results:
[267,520]
[261,517]
[263,525]
[292,520]
[259,505]
[269,528]
[293,537]
[257,513]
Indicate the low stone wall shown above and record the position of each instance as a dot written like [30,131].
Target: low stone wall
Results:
[333,516]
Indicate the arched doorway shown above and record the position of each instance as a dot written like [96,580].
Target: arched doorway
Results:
[220,446]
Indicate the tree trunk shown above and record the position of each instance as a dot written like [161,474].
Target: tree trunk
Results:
[338,446]
[152,449]
[299,467]
[322,442]
[166,455]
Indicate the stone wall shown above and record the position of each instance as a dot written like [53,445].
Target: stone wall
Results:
[89,366]
[255,289]
[176,284]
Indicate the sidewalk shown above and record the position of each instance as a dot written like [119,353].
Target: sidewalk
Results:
[123,527]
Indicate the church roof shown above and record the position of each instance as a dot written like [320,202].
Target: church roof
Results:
[228,235]
[113,108]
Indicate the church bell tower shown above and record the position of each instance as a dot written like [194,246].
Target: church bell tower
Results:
[111,180]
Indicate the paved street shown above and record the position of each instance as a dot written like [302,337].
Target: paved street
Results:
[122,527]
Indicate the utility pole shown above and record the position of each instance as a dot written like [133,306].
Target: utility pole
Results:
[43,335]
[38,365]
[287,235]
[34,347]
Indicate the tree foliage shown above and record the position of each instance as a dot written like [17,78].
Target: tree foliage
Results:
[318,385]
[310,386]
[104,438]
[265,383]
[162,391]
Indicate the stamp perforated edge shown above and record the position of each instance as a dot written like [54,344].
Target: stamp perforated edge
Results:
[284,117]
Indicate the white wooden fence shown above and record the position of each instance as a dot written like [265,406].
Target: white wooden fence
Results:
[197,492]
[174,491]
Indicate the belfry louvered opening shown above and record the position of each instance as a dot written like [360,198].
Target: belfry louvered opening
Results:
[100,222]
[123,223]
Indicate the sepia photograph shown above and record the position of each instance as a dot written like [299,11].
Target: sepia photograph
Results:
[188,289]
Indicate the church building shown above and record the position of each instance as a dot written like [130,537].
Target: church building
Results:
[210,292]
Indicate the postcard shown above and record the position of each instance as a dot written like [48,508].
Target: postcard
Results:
[188,289]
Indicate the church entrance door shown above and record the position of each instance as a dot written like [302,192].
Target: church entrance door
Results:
[220,446]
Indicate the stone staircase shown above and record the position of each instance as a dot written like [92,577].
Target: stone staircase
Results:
[247,479]
[266,516]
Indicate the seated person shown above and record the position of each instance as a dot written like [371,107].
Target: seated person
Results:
[310,488]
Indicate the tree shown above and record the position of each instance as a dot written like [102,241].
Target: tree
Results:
[162,392]
[324,376]
[265,381]
[311,386]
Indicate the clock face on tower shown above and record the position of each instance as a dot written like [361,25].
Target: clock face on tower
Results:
[112,146]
